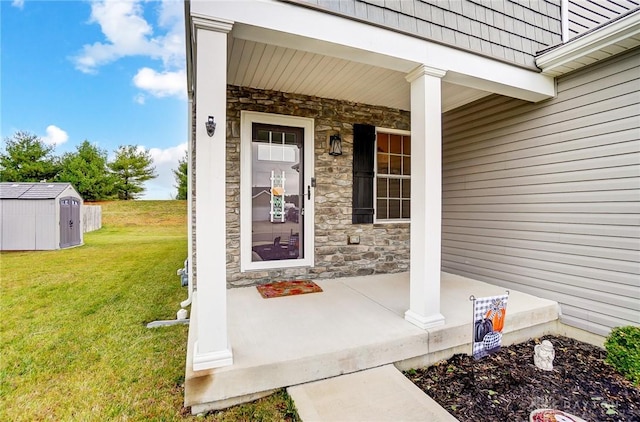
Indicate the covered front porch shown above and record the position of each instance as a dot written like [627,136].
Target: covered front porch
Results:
[247,71]
[354,324]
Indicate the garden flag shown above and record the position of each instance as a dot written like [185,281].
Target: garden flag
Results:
[488,321]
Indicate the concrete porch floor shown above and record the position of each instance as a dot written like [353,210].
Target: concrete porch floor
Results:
[354,324]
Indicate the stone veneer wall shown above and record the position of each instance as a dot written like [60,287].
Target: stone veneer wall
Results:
[383,248]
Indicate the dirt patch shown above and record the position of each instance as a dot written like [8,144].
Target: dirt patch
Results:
[507,386]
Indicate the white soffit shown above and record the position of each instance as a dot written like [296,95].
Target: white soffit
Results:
[611,39]
[266,66]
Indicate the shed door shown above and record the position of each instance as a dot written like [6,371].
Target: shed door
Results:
[69,222]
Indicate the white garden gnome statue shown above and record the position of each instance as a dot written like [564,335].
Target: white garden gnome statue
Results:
[543,356]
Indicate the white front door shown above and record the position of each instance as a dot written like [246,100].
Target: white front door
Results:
[276,203]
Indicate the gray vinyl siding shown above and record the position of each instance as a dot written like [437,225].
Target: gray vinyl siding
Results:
[585,15]
[545,198]
[510,30]
[29,225]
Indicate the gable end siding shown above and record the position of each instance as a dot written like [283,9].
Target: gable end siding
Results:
[512,30]
[545,198]
[585,15]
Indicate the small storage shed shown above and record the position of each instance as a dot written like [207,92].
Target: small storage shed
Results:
[39,216]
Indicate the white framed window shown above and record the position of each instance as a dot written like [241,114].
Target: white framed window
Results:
[393,175]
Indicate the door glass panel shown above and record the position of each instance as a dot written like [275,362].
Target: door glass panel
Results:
[277,205]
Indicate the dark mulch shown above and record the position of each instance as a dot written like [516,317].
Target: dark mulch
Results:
[507,386]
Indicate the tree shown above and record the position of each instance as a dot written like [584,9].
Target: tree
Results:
[182,177]
[131,168]
[87,171]
[26,158]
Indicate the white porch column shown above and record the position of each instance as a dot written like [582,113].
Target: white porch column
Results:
[426,197]
[212,348]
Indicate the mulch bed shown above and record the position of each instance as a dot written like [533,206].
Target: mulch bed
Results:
[507,386]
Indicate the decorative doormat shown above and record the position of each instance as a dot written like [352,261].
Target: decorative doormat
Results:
[288,288]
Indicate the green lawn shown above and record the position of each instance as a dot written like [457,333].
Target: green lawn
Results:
[74,345]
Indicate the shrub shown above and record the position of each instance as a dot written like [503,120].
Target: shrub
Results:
[623,351]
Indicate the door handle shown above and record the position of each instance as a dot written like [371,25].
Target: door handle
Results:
[309,192]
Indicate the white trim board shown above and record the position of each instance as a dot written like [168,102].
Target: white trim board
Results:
[618,36]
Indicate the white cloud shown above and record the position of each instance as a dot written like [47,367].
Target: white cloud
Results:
[161,84]
[18,3]
[168,155]
[139,99]
[55,136]
[127,33]
[171,18]
[165,161]
[171,13]
[125,30]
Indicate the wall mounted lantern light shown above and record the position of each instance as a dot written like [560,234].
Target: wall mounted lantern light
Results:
[211,126]
[335,145]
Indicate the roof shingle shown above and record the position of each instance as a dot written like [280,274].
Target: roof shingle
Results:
[23,190]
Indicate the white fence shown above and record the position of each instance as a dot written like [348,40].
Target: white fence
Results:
[91,218]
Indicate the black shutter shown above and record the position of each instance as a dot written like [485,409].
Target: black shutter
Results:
[364,138]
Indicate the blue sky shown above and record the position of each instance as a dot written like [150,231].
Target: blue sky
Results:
[110,72]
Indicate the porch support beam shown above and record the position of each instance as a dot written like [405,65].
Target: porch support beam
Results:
[212,348]
[426,196]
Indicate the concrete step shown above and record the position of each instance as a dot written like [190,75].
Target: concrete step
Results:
[378,394]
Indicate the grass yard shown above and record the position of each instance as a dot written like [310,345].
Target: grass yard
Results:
[74,345]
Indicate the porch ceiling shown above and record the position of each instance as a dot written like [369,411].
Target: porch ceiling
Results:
[267,66]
